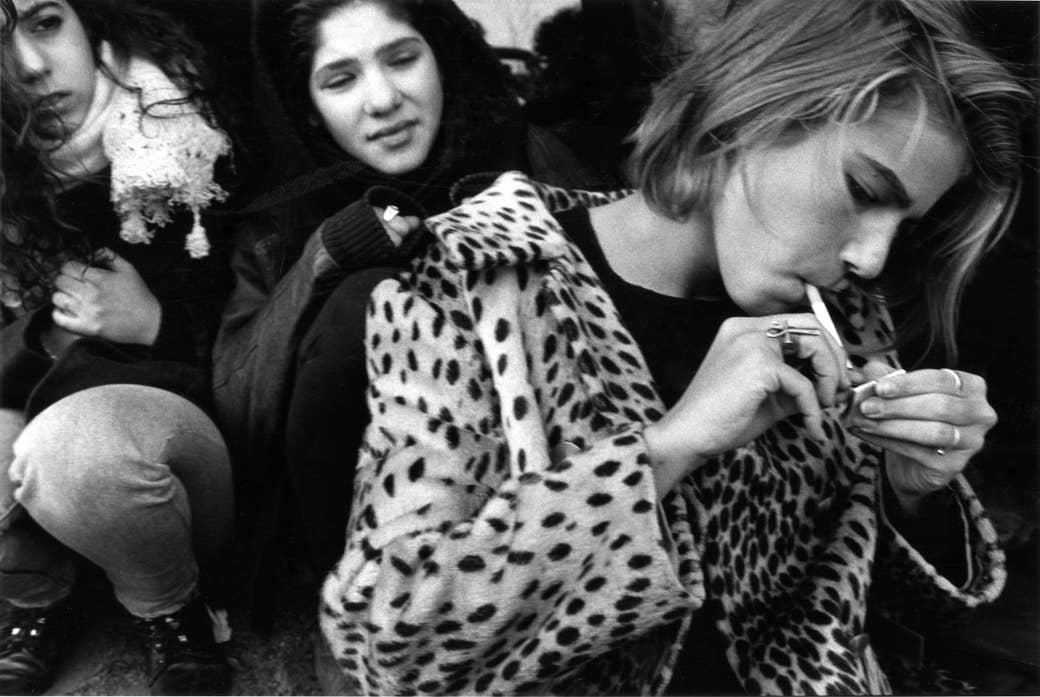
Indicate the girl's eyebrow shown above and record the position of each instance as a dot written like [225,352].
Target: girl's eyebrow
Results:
[350,61]
[892,180]
[38,7]
[398,43]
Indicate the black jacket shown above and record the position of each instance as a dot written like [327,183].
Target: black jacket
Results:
[313,226]
[190,293]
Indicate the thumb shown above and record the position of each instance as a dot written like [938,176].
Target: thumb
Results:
[115,262]
[874,370]
[403,225]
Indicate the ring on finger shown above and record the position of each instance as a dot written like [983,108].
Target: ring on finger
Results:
[779,328]
[956,440]
[958,384]
[787,335]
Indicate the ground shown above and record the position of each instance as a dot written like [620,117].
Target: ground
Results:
[1002,654]
[107,658]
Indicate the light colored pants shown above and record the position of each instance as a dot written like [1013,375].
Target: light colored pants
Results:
[135,479]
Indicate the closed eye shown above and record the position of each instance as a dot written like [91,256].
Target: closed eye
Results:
[861,195]
[46,23]
[403,59]
[337,81]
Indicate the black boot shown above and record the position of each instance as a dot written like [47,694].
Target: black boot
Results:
[30,643]
[183,658]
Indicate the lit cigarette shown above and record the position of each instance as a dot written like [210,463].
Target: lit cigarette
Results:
[819,309]
[390,213]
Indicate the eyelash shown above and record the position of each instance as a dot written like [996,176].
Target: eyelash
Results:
[863,197]
[47,23]
[860,194]
[403,60]
[338,81]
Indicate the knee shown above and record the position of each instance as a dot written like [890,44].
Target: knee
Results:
[90,449]
[340,324]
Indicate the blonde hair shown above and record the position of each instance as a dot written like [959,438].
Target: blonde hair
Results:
[777,67]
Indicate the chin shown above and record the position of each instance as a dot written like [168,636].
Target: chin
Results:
[400,163]
[755,304]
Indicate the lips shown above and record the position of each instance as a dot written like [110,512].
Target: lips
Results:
[389,132]
[835,286]
[55,103]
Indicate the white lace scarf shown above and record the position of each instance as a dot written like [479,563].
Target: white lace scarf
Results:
[162,157]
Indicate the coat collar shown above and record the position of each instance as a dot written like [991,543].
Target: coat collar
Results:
[510,222]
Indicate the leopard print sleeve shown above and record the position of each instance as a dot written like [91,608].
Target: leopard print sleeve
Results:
[484,555]
[906,586]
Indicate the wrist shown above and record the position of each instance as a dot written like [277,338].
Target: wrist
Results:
[151,331]
[907,502]
[671,461]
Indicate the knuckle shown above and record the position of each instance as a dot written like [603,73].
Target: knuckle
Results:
[975,442]
[945,408]
[731,326]
[974,383]
[806,319]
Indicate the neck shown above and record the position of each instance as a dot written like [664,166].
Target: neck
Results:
[647,249]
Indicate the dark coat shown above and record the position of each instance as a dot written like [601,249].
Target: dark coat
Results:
[190,293]
[286,263]
[314,227]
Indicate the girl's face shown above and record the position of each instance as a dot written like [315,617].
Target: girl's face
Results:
[375,83]
[50,56]
[828,206]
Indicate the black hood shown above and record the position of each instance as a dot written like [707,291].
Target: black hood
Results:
[482,127]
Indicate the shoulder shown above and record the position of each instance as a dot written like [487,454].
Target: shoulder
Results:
[507,220]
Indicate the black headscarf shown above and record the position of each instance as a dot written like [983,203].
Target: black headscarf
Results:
[482,128]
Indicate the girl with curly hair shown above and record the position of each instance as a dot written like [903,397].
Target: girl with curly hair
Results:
[110,291]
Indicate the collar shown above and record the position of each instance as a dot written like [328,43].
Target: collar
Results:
[510,222]
[82,154]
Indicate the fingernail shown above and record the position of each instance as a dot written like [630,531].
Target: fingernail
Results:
[885,389]
[871,407]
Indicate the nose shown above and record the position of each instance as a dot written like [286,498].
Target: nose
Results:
[866,253]
[381,93]
[30,62]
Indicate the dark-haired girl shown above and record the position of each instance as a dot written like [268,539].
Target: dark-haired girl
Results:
[364,104]
[106,451]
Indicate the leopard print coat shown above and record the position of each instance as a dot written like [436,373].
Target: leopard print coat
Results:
[505,536]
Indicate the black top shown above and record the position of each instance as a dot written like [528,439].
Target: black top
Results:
[674,335]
